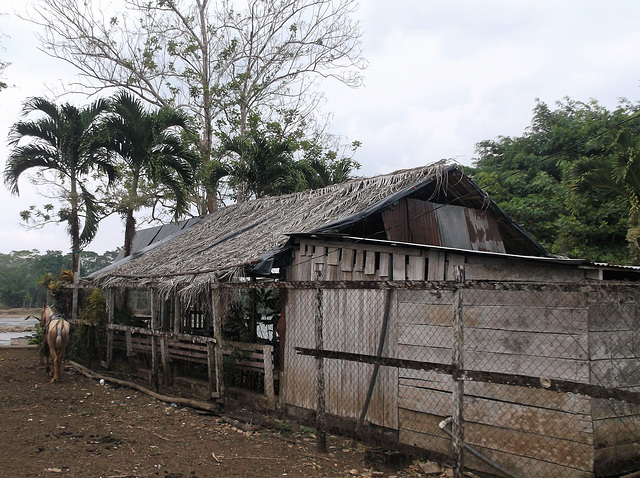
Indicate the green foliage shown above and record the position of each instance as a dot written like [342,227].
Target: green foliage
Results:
[88,335]
[534,178]
[250,310]
[26,275]
[39,337]
[94,308]
[270,160]
[64,141]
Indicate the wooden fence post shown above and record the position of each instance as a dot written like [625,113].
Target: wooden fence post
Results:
[267,354]
[216,385]
[457,425]
[154,343]
[166,360]
[320,389]
[111,299]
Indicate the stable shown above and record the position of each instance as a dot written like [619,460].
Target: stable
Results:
[387,305]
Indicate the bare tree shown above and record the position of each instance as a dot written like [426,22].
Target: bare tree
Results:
[217,61]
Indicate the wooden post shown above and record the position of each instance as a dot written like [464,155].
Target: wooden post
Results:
[153,379]
[320,392]
[211,368]
[267,354]
[177,315]
[76,287]
[376,367]
[131,354]
[216,384]
[111,300]
[457,424]
[166,360]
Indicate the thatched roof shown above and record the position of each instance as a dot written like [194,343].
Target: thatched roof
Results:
[236,238]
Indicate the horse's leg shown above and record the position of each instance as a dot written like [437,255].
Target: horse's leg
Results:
[56,364]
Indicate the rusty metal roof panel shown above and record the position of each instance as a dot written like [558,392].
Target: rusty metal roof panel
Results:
[484,234]
[453,227]
[423,222]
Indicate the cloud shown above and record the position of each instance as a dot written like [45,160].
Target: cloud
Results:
[443,76]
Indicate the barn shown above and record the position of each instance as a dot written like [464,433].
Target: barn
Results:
[406,309]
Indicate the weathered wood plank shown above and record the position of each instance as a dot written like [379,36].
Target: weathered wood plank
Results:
[425,296]
[416,268]
[424,335]
[525,343]
[346,264]
[608,317]
[618,373]
[399,267]
[526,298]
[556,319]
[616,431]
[553,368]
[614,344]
[425,354]
[436,267]
[500,270]
[566,453]
[385,264]
[568,402]
[510,416]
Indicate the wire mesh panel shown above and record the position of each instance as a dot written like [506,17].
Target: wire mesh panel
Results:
[548,373]
[545,370]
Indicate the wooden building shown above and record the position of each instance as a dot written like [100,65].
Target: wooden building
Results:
[385,265]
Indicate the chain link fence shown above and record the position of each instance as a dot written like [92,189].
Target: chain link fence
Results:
[507,379]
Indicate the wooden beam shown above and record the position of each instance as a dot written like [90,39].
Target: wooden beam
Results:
[563,386]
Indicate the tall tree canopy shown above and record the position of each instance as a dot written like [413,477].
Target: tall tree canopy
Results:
[155,160]
[65,141]
[222,61]
[540,178]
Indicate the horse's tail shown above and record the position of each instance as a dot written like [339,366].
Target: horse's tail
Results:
[59,328]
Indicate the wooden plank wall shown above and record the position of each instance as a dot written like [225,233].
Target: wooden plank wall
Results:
[557,335]
[614,341]
[530,432]
[352,323]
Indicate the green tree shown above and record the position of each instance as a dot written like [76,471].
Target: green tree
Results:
[268,160]
[66,141]
[220,61]
[532,178]
[617,176]
[158,163]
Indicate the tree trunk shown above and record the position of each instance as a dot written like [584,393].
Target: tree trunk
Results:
[129,232]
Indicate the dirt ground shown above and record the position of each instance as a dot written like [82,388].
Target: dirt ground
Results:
[80,428]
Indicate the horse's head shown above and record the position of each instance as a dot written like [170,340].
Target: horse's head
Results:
[45,316]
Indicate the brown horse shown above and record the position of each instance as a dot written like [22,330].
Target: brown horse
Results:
[56,339]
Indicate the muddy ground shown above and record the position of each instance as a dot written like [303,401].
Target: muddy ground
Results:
[77,427]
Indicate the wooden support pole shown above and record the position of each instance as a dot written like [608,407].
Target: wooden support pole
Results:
[177,315]
[320,388]
[153,379]
[216,384]
[76,291]
[267,353]
[111,299]
[457,424]
[166,361]
[376,367]
[211,368]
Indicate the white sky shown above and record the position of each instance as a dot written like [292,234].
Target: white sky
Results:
[442,76]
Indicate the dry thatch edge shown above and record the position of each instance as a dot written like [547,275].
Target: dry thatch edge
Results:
[158,268]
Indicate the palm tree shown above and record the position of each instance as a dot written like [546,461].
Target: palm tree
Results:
[67,141]
[150,145]
[618,174]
